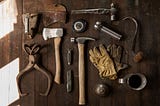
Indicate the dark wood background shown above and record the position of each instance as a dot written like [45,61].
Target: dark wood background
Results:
[147,12]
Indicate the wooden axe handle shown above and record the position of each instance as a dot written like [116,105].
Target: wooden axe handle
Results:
[57,77]
[81,75]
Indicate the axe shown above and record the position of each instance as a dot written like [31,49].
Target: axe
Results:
[55,33]
[55,15]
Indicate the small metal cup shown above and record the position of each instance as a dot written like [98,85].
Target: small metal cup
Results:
[134,81]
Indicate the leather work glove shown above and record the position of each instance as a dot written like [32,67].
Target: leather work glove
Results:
[102,61]
[115,52]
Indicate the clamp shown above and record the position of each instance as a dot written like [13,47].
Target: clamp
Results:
[32,51]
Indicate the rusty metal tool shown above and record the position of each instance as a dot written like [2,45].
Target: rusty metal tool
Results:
[32,51]
[139,55]
[55,33]
[112,11]
[30,23]
[81,41]
[100,27]
[69,80]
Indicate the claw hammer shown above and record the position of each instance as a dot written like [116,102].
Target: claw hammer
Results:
[81,41]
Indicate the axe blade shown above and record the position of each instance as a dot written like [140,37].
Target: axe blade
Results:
[52,33]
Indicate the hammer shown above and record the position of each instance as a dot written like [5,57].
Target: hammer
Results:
[81,41]
[55,33]
[112,11]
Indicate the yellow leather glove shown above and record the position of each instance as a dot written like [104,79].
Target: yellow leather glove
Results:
[102,61]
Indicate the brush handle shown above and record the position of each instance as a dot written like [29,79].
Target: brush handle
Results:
[81,75]
[57,78]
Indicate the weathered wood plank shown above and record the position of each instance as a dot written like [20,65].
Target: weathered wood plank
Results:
[146,12]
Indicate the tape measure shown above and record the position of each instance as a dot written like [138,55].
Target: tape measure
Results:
[79,25]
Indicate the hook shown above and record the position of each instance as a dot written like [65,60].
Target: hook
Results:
[139,55]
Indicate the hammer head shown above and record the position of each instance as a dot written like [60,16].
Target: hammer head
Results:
[82,40]
[52,33]
[113,12]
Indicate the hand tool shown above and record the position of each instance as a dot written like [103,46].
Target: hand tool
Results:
[55,33]
[30,23]
[81,41]
[99,26]
[32,51]
[79,25]
[104,11]
[55,13]
[69,56]
[69,81]
[139,55]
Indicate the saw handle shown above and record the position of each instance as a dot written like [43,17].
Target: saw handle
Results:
[81,75]
[57,78]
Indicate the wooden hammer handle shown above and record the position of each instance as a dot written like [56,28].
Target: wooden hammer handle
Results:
[81,75]
[57,77]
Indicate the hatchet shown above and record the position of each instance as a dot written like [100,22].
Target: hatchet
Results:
[55,33]
[54,15]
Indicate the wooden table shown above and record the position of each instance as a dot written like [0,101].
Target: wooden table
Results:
[146,12]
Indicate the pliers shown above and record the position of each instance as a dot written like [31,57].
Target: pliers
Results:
[32,51]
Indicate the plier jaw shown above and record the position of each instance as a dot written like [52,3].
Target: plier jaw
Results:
[32,51]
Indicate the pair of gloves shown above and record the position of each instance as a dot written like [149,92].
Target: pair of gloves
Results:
[107,61]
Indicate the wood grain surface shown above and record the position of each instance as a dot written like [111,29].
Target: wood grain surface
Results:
[147,12]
